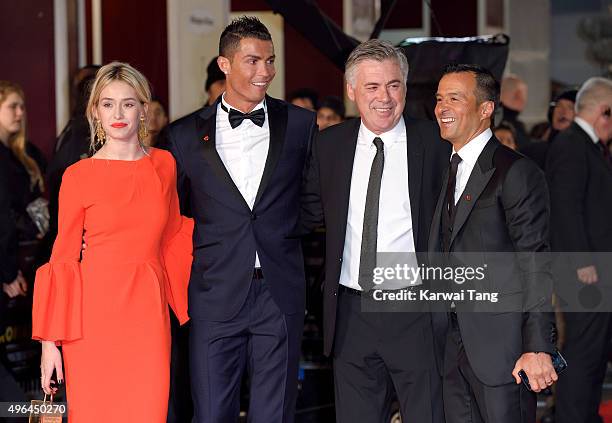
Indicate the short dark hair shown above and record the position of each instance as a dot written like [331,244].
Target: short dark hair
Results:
[507,126]
[487,87]
[334,103]
[82,88]
[308,93]
[213,73]
[155,99]
[239,28]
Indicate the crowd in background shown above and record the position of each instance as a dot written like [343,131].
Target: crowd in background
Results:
[29,186]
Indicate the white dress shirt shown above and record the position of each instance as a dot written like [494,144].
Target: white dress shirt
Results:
[395,217]
[243,151]
[469,154]
[586,127]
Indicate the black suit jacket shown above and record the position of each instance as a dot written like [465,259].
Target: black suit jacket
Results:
[8,236]
[327,191]
[227,232]
[503,209]
[580,183]
[8,230]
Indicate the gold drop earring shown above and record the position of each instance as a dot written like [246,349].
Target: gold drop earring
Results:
[100,134]
[143,133]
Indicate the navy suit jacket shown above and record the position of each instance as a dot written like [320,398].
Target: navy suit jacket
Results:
[227,232]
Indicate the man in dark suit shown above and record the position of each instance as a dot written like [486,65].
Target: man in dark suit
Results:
[12,283]
[493,200]
[240,164]
[579,172]
[373,182]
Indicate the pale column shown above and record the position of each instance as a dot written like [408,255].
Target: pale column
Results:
[82,33]
[96,31]
[528,24]
[194,27]
[60,43]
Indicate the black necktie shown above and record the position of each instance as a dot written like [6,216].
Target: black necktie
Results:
[369,235]
[449,202]
[452,180]
[258,117]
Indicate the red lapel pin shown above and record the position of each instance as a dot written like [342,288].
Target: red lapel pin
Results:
[205,138]
[468,197]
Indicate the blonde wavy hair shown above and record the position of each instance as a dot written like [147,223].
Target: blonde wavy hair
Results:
[17,142]
[114,71]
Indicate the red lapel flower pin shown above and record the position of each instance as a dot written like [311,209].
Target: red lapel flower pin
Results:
[205,138]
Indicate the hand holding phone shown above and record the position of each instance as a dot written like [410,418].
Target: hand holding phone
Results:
[558,362]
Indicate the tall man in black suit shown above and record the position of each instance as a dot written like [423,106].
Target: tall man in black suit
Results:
[492,200]
[373,182]
[240,164]
[579,171]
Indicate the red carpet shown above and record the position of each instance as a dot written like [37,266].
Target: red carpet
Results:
[605,410]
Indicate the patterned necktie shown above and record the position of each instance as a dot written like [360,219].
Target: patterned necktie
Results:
[369,235]
[258,117]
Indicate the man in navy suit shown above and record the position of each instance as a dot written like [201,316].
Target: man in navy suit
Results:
[240,164]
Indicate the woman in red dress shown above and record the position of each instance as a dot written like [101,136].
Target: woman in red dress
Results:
[108,307]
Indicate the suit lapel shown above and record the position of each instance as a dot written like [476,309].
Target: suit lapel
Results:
[206,129]
[343,173]
[434,234]
[602,158]
[414,147]
[481,174]
[277,115]
[592,146]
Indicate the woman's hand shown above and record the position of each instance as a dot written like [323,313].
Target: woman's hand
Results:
[51,359]
[18,287]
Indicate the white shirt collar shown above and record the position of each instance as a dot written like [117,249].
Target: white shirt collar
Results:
[588,128]
[469,153]
[262,103]
[395,134]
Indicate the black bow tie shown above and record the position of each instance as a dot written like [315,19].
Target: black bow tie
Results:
[258,117]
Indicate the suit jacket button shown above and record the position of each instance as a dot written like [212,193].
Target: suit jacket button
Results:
[253,216]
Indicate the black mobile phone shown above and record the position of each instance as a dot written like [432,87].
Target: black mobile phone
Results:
[558,362]
[55,385]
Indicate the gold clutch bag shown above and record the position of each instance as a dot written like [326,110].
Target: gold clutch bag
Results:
[45,411]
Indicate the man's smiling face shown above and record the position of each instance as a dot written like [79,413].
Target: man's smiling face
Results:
[249,73]
[460,115]
[379,92]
